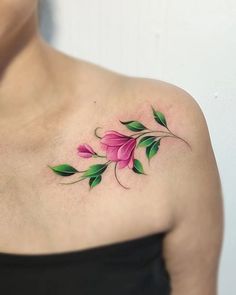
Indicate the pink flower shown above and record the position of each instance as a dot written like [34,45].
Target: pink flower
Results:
[85,151]
[119,148]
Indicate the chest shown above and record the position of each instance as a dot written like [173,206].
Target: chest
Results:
[40,213]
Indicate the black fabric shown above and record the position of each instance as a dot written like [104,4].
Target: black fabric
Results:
[131,267]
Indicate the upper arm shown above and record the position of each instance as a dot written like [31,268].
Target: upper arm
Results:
[192,247]
[193,242]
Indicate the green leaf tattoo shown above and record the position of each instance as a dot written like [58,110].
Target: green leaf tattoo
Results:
[138,167]
[146,141]
[134,125]
[93,181]
[95,170]
[152,149]
[159,117]
[119,150]
[64,170]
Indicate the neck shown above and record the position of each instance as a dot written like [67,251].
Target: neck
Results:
[24,71]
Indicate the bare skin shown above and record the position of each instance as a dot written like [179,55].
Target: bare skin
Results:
[50,103]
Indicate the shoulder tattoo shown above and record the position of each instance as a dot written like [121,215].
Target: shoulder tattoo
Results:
[118,150]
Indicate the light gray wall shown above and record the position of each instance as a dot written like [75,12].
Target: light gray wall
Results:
[187,42]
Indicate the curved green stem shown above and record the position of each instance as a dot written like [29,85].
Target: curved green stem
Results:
[180,139]
[95,132]
[171,134]
[82,171]
[107,163]
[99,156]
[147,132]
[73,181]
[115,171]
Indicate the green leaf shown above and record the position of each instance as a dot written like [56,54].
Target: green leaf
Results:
[95,170]
[146,141]
[152,149]
[64,170]
[159,117]
[138,167]
[93,181]
[134,125]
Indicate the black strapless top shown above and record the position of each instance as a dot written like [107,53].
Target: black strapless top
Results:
[131,267]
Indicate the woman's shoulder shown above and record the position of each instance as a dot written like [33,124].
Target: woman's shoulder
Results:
[179,106]
[156,104]
[191,174]
[123,98]
[186,158]
[128,92]
[172,146]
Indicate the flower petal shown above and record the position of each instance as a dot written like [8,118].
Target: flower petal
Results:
[113,138]
[85,155]
[126,149]
[103,146]
[86,147]
[122,164]
[112,153]
[131,161]
[85,151]
[114,141]
[114,133]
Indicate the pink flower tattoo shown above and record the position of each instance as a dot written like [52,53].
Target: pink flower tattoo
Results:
[85,151]
[120,150]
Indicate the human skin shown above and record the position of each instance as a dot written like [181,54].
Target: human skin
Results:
[49,104]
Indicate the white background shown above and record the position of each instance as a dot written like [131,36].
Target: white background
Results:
[189,43]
